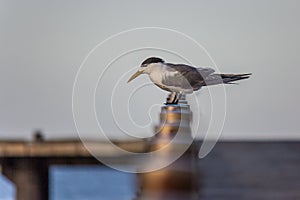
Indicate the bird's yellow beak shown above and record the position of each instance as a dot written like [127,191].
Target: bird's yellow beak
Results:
[136,74]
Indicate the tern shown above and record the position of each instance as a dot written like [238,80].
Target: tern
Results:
[181,79]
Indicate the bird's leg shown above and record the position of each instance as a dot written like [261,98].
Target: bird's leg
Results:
[172,98]
[178,97]
[175,100]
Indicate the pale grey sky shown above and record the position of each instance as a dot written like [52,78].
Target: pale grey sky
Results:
[43,44]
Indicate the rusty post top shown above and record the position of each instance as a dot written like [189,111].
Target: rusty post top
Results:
[174,118]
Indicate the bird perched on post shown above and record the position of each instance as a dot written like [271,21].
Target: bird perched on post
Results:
[182,79]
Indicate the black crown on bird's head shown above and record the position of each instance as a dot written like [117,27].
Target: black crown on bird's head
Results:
[152,60]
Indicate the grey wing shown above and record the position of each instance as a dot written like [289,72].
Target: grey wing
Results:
[205,71]
[186,76]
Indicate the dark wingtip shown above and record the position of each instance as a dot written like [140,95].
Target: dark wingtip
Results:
[231,78]
[248,74]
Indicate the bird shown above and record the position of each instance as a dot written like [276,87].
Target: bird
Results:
[181,79]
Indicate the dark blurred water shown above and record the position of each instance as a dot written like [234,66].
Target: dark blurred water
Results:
[83,183]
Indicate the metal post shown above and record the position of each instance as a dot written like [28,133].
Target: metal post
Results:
[180,180]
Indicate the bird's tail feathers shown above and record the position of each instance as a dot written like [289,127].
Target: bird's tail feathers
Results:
[215,79]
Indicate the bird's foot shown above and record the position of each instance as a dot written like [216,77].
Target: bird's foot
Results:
[171,103]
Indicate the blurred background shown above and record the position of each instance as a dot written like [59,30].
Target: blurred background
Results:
[43,44]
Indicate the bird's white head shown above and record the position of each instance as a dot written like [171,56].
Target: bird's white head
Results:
[144,68]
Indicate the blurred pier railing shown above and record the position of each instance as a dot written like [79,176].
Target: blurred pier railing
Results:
[27,164]
[67,148]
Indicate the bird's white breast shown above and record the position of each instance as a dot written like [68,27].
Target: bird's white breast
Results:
[159,73]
